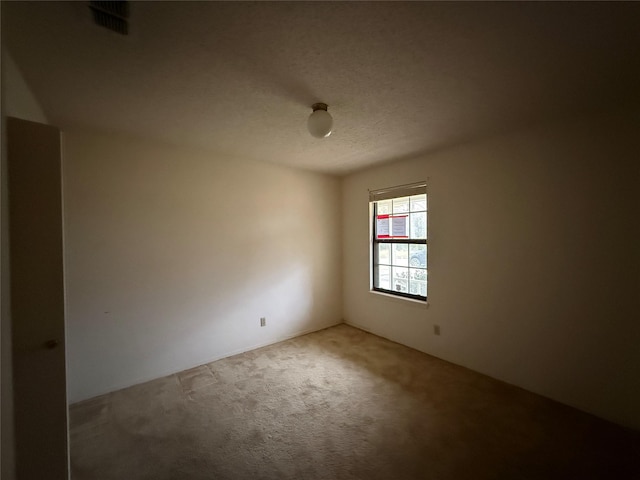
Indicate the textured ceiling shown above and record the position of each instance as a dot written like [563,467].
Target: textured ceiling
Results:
[400,78]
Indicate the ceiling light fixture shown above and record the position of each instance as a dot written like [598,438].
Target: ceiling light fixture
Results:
[320,121]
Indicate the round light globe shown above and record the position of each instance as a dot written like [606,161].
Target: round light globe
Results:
[320,123]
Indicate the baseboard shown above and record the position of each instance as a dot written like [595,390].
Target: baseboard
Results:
[231,353]
[365,329]
[623,422]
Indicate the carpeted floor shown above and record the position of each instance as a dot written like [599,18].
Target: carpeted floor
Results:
[340,404]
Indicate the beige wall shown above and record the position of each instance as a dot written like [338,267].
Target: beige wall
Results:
[18,101]
[172,257]
[533,261]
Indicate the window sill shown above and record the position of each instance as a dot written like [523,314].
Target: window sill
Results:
[395,298]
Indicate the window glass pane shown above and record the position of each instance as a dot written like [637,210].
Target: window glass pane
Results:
[401,205]
[400,279]
[400,254]
[418,225]
[418,281]
[417,274]
[382,277]
[384,253]
[418,203]
[382,226]
[399,226]
[418,256]
[384,207]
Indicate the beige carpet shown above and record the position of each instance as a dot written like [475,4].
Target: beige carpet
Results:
[340,404]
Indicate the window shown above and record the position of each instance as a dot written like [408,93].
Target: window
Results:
[399,240]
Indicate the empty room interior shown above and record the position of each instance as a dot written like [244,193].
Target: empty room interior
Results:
[320,240]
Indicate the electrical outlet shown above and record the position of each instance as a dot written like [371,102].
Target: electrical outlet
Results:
[263,322]
[436,329]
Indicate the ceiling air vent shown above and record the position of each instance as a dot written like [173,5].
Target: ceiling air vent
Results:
[111,15]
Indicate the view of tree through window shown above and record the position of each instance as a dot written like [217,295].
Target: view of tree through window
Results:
[400,245]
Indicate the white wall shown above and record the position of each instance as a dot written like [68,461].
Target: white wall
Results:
[172,257]
[533,257]
[17,101]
